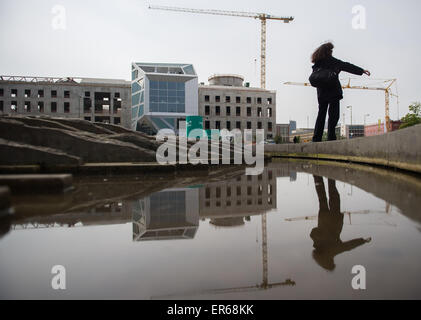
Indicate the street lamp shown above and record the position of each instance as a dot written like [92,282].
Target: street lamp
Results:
[365,116]
[350,107]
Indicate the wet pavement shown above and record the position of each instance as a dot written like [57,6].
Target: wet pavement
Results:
[201,236]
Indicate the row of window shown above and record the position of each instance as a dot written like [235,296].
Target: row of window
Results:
[239,191]
[239,203]
[167,85]
[238,99]
[39,107]
[249,111]
[27,93]
[228,125]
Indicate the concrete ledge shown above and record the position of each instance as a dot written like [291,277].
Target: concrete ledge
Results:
[400,149]
[5,201]
[37,183]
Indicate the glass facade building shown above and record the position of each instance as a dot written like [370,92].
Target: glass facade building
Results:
[162,96]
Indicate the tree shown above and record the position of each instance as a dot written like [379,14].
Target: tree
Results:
[413,117]
[278,140]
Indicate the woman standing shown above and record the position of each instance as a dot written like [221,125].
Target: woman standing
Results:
[329,96]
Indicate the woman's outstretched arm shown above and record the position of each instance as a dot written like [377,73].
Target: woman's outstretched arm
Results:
[349,67]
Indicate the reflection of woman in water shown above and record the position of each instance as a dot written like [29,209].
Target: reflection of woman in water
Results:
[326,236]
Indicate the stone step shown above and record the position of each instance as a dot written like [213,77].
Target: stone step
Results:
[37,183]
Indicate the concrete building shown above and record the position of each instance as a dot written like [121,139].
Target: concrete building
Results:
[292,126]
[378,129]
[163,94]
[283,130]
[227,104]
[352,131]
[227,203]
[95,100]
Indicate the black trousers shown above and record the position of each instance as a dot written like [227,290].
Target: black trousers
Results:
[333,107]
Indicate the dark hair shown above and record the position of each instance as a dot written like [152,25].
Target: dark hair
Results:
[322,52]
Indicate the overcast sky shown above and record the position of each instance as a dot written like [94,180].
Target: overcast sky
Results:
[102,38]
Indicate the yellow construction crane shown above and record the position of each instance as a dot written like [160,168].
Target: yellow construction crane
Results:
[261,16]
[387,90]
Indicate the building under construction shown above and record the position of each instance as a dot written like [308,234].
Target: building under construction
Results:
[91,99]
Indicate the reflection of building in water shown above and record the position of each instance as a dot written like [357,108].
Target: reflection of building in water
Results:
[227,203]
[169,214]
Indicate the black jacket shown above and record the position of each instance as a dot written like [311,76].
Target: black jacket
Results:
[335,92]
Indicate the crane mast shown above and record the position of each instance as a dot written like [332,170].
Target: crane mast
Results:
[261,16]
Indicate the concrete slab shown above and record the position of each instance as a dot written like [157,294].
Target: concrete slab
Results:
[37,183]
[399,149]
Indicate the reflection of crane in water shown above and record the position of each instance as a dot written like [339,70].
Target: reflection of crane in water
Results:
[265,283]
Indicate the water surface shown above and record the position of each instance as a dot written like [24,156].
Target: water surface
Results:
[201,237]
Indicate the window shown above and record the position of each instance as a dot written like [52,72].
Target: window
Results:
[259,112]
[259,100]
[269,111]
[238,99]
[207,193]
[248,99]
[228,99]
[269,100]
[167,96]
[218,125]
[87,118]
[27,93]
[117,95]
[27,106]
[238,125]
[1,92]
[228,111]
[238,111]
[248,124]
[207,98]
[87,93]
[217,99]
[53,107]
[228,191]
[53,93]
[207,125]
[14,106]
[229,125]
[207,110]
[14,93]
[249,190]
[218,110]
[67,107]
[270,126]
[1,106]
[40,106]
[238,191]
[87,105]
[67,94]
[259,125]
[40,93]
[248,111]
[117,120]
